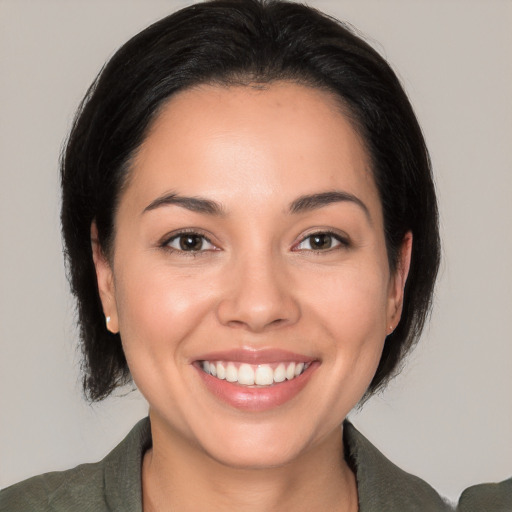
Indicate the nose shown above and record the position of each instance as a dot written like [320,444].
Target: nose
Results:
[259,296]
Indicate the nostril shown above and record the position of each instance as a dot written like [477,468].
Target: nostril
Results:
[236,323]
[257,308]
[239,324]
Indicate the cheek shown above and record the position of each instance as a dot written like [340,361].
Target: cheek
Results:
[351,308]
[158,308]
[352,302]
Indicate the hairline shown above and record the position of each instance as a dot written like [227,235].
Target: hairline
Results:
[239,80]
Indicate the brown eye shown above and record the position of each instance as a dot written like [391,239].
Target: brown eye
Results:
[190,242]
[321,242]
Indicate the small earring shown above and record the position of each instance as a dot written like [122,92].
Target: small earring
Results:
[108,320]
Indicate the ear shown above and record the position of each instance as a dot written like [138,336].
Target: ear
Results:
[105,279]
[397,283]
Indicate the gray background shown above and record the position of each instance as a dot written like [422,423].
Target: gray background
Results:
[448,416]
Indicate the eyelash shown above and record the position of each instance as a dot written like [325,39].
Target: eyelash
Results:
[192,233]
[343,242]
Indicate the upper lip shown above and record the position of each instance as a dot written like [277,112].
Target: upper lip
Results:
[252,356]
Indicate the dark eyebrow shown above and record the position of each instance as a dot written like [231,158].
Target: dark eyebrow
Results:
[194,204]
[314,201]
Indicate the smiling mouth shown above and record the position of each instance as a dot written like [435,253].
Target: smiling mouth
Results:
[254,375]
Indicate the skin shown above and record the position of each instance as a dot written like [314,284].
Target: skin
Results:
[257,284]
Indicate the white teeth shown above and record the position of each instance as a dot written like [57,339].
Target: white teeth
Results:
[221,371]
[231,373]
[250,375]
[280,373]
[264,376]
[246,375]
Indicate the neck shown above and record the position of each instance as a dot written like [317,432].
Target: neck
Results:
[178,475]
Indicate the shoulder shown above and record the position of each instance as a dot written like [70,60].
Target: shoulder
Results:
[383,486]
[63,490]
[110,484]
[487,498]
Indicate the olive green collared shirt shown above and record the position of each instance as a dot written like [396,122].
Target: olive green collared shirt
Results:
[114,483]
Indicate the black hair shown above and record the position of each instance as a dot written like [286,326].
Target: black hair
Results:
[236,42]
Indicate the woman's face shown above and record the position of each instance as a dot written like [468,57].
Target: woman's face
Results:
[250,244]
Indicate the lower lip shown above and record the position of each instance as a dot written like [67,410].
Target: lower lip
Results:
[256,398]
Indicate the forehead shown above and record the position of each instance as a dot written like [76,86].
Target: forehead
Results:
[282,140]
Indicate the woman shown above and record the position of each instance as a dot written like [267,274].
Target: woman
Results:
[251,230]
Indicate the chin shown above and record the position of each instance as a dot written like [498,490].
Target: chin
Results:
[257,446]
[251,458]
